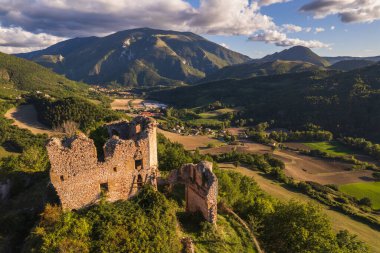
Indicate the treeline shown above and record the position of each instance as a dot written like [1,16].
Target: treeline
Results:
[310,132]
[88,115]
[363,145]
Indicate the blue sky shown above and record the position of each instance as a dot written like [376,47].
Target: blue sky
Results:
[352,39]
[253,27]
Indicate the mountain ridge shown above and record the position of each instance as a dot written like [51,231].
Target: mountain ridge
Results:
[137,57]
[297,53]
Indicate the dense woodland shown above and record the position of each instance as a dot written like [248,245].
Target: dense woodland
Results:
[345,103]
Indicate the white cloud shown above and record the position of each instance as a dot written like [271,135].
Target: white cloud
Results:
[270,2]
[332,28]
[349,11]
[15,39]
[282,40]
[292,28]
[51,20]
[319,30]
[308,29]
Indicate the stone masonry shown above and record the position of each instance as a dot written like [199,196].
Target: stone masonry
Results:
[130,161]
[201,190]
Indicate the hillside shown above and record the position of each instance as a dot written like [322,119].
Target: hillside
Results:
[348,65]
[297,53]
[333,60]
[138,57]
[346,103]
[253,69]
[19,76]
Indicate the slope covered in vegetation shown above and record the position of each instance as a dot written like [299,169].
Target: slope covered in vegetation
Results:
[136,57]
[345,103]
[26,76]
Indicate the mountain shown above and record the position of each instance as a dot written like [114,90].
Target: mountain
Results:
[348,65]
[144,57]
[343,102]
[25,76]
[297,53]
[333,60]
[253,69]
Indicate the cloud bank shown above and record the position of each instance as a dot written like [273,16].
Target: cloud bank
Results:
[349,11]
[281,39]
[39,23]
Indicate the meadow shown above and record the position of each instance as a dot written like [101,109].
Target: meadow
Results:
[331,148]
[362,190]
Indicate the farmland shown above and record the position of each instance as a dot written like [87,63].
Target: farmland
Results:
[370,190]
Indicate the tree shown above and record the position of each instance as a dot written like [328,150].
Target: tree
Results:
[349,243]
[365,202]
[298,227]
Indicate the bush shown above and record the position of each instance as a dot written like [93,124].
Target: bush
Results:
[146,223]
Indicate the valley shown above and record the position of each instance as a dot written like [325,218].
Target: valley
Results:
[293,138]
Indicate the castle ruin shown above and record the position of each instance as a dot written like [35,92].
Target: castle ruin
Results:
[130,161]
[201,188]
[81,178]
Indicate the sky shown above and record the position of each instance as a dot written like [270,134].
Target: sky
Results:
[252,27]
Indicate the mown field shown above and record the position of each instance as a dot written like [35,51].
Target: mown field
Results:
[362,190]
[331,148]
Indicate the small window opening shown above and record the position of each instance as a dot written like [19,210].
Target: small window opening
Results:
[115,169]
[138,128]
[62,178]
[139,182]
[104,187]
[138,165]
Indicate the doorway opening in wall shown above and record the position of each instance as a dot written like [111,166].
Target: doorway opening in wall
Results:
[138,165]
[104,188]
[139,182]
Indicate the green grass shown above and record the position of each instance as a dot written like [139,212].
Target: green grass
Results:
[362,190]
[331,148]
[206,122]
[229,236]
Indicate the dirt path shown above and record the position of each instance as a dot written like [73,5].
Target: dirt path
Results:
[25,116]
[339,221]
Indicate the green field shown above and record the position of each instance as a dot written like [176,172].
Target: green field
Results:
[331,148]
[362,190]
[206,122]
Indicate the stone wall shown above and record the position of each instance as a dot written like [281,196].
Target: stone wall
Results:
[130,161]
[201,188]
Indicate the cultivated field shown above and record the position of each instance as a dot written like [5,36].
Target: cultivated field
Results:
[138,104]
[362,190]
[190,142]
[339,221]
[303,168]
[25,116]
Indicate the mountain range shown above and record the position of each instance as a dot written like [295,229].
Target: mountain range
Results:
[144,57]
[149,57]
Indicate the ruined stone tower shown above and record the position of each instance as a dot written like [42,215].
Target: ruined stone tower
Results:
[201,188]
[130,161]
